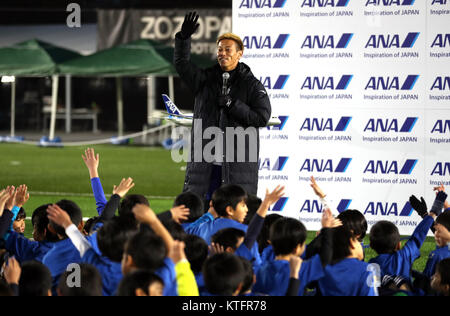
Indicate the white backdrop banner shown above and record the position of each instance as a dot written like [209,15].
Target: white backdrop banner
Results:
[362,88]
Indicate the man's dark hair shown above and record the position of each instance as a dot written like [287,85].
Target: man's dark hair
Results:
[196,252]
[147,250]
[228,237]
[286,234]
[444,220]
[40,221]
[90,282]
[223,273]
[228,195]
[384,237]
[249,276]
[35,279]
[139,279]
[193,202]
[264,235]
[74,212]
[130,201]
[341,243]
[355,222]
[113,235]
[253,204]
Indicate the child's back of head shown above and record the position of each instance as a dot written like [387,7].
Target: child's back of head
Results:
[249,277]
[441,279]
[113,236]
[264,235]
[74,212]
[84,280]
[355,222]
[341,243]
[196,250]
[286,234]
[130,201]
[35,280]
[175,230]
[229,238]
[384,237]
[39,220]
[141,283]
[229,195]
[253,204]
[223,274]
[146,251]
[193,202]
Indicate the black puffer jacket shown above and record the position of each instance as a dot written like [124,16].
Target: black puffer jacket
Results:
[251,108]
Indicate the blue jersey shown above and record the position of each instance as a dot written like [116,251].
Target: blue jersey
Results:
[349,277]
[251,255]
[273,276]
[400,262]
[111,272]
[59,257]
[26,250]
[434,258]
[167,273]
[268,254]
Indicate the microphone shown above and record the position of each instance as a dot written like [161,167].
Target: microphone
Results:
[225,77]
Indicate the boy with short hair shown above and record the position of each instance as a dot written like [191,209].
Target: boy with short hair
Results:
[35,280]
[442,237]
[287,237]
[385,240]
[223,274]
[347,274]
[90,282]
[441,279]
[63,252]
[196,252]
[111,239]
[141,283]
[149,250]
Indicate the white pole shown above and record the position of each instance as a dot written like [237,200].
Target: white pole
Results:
[171,89]
[55,80]
[13,108]
[150,98]
[68,104]
[119,106]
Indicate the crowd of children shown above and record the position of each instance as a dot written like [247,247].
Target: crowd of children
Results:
[233,249]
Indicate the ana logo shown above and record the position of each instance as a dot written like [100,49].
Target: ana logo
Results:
[441,2]
[314,206]
[441,83]
[392,41]
[389,2]
[441,127]
[325,165]
[279,206]
[321,125]
[277,85]
[278,166]
[279,127]
[441,41]
[387,167]
[441,169]
[316,41]
[388,83]
[324,83]
[258,4]
[265,42]
[387,209]
[325,3]
[390,125]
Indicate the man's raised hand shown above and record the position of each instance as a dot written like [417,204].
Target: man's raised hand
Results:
[189,25]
